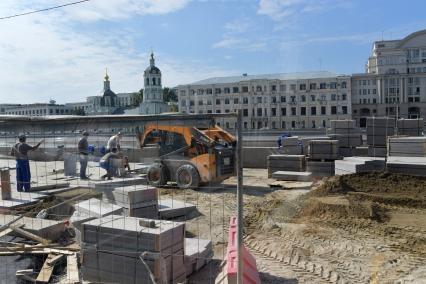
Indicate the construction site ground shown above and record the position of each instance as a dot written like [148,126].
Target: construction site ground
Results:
[350,229]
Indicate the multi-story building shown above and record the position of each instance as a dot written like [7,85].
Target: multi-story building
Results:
[395,80]
[39,109]
[274,101]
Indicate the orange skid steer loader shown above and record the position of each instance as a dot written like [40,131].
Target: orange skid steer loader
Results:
[189,156]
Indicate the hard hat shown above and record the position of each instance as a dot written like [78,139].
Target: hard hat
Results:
[85,133]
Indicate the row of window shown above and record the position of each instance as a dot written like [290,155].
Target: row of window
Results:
[367,91]
[39,112]
[273,88]
[273,100]
[274,124]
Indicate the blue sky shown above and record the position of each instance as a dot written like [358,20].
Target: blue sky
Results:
[62,54]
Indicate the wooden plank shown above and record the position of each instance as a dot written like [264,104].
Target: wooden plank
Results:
[5,226]
[55,259]
[47,270]
[6,232]
[73,275]
[29,235]
[42,251]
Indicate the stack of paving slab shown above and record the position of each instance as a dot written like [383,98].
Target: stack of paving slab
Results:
[353,165]
[407,146]
[292,176]
[295,163]
[136,201]
[378,131]
[348,135]
[292,146]
[172,208]
[321,157]
[407,165]
[410,127]
[112,248]
[91,209]
[305,142]
[198,252]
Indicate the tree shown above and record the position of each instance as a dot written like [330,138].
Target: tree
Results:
[138,98]
[169,95]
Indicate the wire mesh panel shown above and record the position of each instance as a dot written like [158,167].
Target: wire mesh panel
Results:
[141,199]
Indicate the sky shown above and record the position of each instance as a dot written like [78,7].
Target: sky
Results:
[62,54]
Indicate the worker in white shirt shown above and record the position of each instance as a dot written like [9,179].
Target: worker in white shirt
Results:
[114,142]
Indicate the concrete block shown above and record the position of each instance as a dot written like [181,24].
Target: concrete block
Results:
[407,165]
[320,168]
[377,151]
[118,182]
[344,123]
[324,149]
[407,146]
[294,163]
[198,252]
[6,192]
[292,176]
[172,208]
[91,209]
[347,140]
[411,127]
[70,164]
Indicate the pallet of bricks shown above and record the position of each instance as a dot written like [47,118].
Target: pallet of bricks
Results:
[407,155]
[410,127]
[348,135]
[321,157]
[378,131]
[292,163]
[119,249]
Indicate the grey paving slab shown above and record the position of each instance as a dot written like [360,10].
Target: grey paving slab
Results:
[171,208]
[292,176]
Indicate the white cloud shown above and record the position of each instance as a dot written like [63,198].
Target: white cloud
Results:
[43,57]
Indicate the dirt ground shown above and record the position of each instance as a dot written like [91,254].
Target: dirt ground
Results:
[365,228]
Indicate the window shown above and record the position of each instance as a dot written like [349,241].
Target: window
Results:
[235,90]
[274,88]
[364,92]
[226,110]
[344,109]
[245,100]
[344,85]
[374,101]
[217,91]
[333,110]
[245,112]
[283,124]
[200,102]
[259,112]
[302,87]
[191,103]
[209,102]
[274,100]
[293,124]
[245,124]
[226,101]
[323,110]
[374,91]
[283,111]
[283,99]
[218,101]
[313,110]
[303,111]
[153,81]
[283,88]
[313,86]
[218,111]
[147,81]
[293,87]
[273,112]
[226,90]
[293,111]
[344,97]
[236,100]
[209,111]
[303,98]
[333,97]
[323,86]
[245,89]
[258,88]
[313,98]
[209,91]
[259,100]
[182,103]
[273,125]
[333,85]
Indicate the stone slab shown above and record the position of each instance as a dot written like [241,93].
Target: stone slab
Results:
[377,151]
[133,194]
[407,146]
[320,168]
[292,176]
[172,208]
[118,182]
[198,252]
[324,149]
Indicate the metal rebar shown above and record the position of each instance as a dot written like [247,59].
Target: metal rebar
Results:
[240,203]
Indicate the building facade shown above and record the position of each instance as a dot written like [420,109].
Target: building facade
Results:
[39,109]
[153,101]
[274,101]
[395,80]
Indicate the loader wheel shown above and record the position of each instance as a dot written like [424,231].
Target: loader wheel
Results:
[187,177]
[157,175]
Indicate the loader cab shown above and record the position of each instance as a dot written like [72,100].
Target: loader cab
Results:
[166,141]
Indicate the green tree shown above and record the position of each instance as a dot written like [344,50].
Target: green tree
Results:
[169,95]
[138,97]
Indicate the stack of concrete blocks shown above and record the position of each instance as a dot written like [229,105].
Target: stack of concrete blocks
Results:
[112,248]
[354,165]
[348,135]
[292,176]
[294,163]
[410,127]
[70,164]
[136,201]
[305,142]
[378,131]
[321,157]
[407,146]
[198,252]
[102,186]
[292,146]
[407,165]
